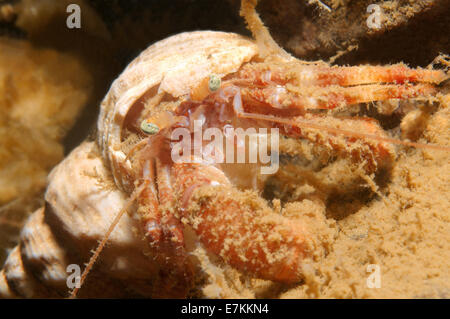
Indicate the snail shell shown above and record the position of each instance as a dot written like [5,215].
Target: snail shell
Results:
[91,185]
[172,66]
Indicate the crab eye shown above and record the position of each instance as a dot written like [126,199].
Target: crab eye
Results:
[214,82]
[149,128]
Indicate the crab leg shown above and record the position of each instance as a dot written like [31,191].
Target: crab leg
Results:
[373,92]
[162,230]
[317,98]
[359,75]
[318,75]
[172,225]
[240,228]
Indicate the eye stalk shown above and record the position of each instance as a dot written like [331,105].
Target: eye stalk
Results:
[149,128]
[214,82]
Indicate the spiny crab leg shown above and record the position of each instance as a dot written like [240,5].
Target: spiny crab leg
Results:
[366,74]
[302,123]
[333,97]
[137,192]
[339,97]
[374,154]
[162,229]
[244,231]
[319,75]
[262,36]
[172,253]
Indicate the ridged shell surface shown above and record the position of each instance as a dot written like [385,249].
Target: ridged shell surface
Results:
[87,190]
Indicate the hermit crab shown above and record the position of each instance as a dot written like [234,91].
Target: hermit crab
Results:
[149,210]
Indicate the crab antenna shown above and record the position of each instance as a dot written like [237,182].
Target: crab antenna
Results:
[105,238]
[266,44]
[333,130]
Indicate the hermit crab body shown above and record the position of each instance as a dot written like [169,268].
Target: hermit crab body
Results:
[174,206]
